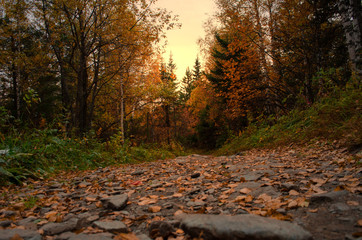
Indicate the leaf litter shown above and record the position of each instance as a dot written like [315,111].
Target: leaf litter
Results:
[282,185]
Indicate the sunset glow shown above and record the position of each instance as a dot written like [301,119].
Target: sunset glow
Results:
[182,43]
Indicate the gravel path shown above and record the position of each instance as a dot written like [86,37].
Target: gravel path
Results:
[312,192]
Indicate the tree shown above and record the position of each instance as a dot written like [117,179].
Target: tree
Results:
[95,31]
[350,12]
[168,93]
[24,65]
[187,86]
[196,72]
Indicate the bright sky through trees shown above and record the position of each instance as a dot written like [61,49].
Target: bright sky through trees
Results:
[183,42]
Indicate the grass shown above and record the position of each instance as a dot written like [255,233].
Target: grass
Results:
[38,153]
[337,117]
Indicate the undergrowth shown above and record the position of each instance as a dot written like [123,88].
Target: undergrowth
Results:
[36,153]
[337,117]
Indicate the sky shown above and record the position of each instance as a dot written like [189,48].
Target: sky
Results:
[182,43]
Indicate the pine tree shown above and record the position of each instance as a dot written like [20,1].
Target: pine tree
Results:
[187,86]
[196,72]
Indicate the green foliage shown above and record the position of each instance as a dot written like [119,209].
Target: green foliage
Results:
[336,117]
[38,153]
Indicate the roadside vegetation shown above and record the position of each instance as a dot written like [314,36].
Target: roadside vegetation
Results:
[334,118]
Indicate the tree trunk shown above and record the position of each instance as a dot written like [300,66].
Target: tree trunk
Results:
[122,112]
[81,100]
[350,11]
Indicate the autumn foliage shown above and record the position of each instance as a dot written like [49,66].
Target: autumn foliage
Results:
[95,68]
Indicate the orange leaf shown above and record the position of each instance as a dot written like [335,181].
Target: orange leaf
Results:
[51,216]
[154,209]
[293,193]
[245,191]
[126,236]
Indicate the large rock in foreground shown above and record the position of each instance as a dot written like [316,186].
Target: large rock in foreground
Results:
[250,227]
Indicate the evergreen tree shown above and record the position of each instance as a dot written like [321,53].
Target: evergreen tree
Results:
[196,73]
[187,86]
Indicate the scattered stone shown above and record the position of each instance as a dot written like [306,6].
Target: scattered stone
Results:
[86,218]
[195,175]
[252,176]
[196,204]
[168,205]
[5,223]
[250,185]
[286,187]
[156,185]
[241,211]
[339,207]
[269,190]
[56,186]
[281,211]
[65,236]
[26,221]
[23,234]
[7,214]
[161,229]
[327,197]
[211,191]
[241,227]
[117,202]
[194,191]
[137,173]
[113,226]
[57,228]
[44,210]
[143,237]
[84,184]
[99,236]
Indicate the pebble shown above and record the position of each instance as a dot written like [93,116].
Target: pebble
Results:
[195,175]
[112,226]
[117,202]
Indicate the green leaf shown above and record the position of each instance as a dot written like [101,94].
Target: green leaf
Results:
[5,172]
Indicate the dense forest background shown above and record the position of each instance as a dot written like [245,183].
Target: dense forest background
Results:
[80,78]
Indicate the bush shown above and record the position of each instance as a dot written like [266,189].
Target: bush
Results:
[336,117]
[37,153]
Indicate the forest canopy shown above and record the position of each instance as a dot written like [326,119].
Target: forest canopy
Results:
[94,67]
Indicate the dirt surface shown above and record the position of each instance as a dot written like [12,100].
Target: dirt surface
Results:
[317,187]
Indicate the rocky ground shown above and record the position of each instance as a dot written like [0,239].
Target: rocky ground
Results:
[288,193]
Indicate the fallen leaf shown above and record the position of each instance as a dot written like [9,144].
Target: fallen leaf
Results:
[359,222]
[42,222]
[147,201]
[177,195]
[353,203]
[180,232]
[293,204]
[249,198]
[293,193]
[126,236]
[136,183]
[245,190]
[279,216]
[154,209]
[90,199]
[51,216]
[313,210]
[339,188]
[265,197]
[178,212]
